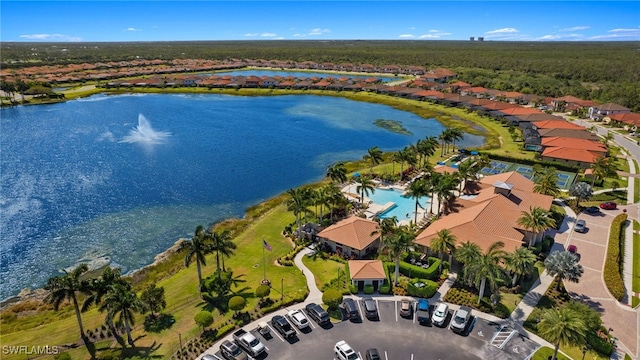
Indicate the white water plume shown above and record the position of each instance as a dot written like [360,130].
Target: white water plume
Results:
[144,134]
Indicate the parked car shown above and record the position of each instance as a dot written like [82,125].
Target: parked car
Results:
[440,314]
[422,312]
[592,210]
[581,226]
[282,326]
[372,354]
[406,308]
[351,308]
[572,249]
[231,351]
[344,352]
[298,319]
[317,313]
[370,308]
[460,319]
[609,205]
[210,357]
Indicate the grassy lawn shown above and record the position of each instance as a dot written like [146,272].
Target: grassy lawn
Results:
[509,300]
[544,352]
[183,301]
[324,270]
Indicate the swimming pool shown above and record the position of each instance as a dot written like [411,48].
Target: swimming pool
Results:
[403,205]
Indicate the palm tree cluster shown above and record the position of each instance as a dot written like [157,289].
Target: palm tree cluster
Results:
[110,291]
[546,181]
[206,242]
[448,138]
[326,198]
[537,220]
[493,266]
[395,240]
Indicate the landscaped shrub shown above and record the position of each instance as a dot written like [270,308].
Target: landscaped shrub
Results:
[332,298]
[599,344]
[613,262]
[427,290]
[368,289]
[414,271]
[204,319]
[353,289]
[384,289]
[547,243]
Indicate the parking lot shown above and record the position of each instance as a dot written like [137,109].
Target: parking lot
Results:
[398,338]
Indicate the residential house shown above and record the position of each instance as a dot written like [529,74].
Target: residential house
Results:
[353,237]
[491,214]
[630,120]
[598,112]
[367,272]
[572,151]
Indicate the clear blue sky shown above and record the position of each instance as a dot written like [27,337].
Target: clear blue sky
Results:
[318,20]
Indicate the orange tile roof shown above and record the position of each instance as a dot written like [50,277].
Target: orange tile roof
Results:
[557,124]
[628,118]
[574,143]
[354,232]
[519,111]
[366,270]
[489,216]
[573,154]
[445,169]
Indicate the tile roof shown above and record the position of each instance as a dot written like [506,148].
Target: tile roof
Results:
[573,143]
[366,270]
[570,133]
[354,232]
[629,118]
[519,111]
[565,153]
[610,107]
[445,169]
[490,216]
[558,124]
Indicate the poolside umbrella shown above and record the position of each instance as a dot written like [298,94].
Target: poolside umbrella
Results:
[356,174]
[474,153]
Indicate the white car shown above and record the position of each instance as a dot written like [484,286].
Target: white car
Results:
[344,352]
[440,314]
[298,319]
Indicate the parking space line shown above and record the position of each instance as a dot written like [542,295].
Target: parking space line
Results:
[414,316]
[275,332]
[308,318]
[378,307]
[360,308]
[396,306]
[385,355]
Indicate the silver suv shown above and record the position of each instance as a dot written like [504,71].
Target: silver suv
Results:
[460,319]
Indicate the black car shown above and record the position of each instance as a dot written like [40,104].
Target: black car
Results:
[317,313]
[372,354]
[592,210]
[282,326]
[370,308]
[351,308]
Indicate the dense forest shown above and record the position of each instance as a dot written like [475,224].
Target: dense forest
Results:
[603,71]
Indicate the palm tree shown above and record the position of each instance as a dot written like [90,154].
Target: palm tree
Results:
[562,326]
[417,189]
[444,187]
[386,226]
[487,268]
[455,134]
[546,182]
[467,254]
[298,204]
[520,262]
[467,171]
[222,245]
[197,248]
[365,187]
[121,302]
[397,245]
[563,265]
[428,147]
[602,168]
[321,198]
[99,287]
[334,197]
[337,173]
[444,243]
[581,191]
[444,138]
[537,220]
[374,156]
[65,287]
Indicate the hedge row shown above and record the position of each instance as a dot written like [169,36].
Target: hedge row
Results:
[414,271]
[613,262]
[426,291]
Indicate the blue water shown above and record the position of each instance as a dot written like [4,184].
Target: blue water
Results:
[118,179]
[403,205]
[304,74]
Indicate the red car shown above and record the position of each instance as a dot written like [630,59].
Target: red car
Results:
[609,205]
[572,249]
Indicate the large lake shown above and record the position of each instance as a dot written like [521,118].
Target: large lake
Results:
[120,178]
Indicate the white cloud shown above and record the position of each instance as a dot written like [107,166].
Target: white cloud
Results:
[298,35]
[132,29]
[619,34]
[576,28]
[574,37]
[406,36]
[268,35]
[51,37]
[434,34]
[318,31]
[251,34]
[502,31]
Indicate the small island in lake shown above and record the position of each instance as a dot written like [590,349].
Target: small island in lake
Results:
[392,125]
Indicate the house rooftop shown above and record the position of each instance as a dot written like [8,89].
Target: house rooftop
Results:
[366,270]
[355,232]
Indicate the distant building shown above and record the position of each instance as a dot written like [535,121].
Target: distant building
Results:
[480,38]
[472,39]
